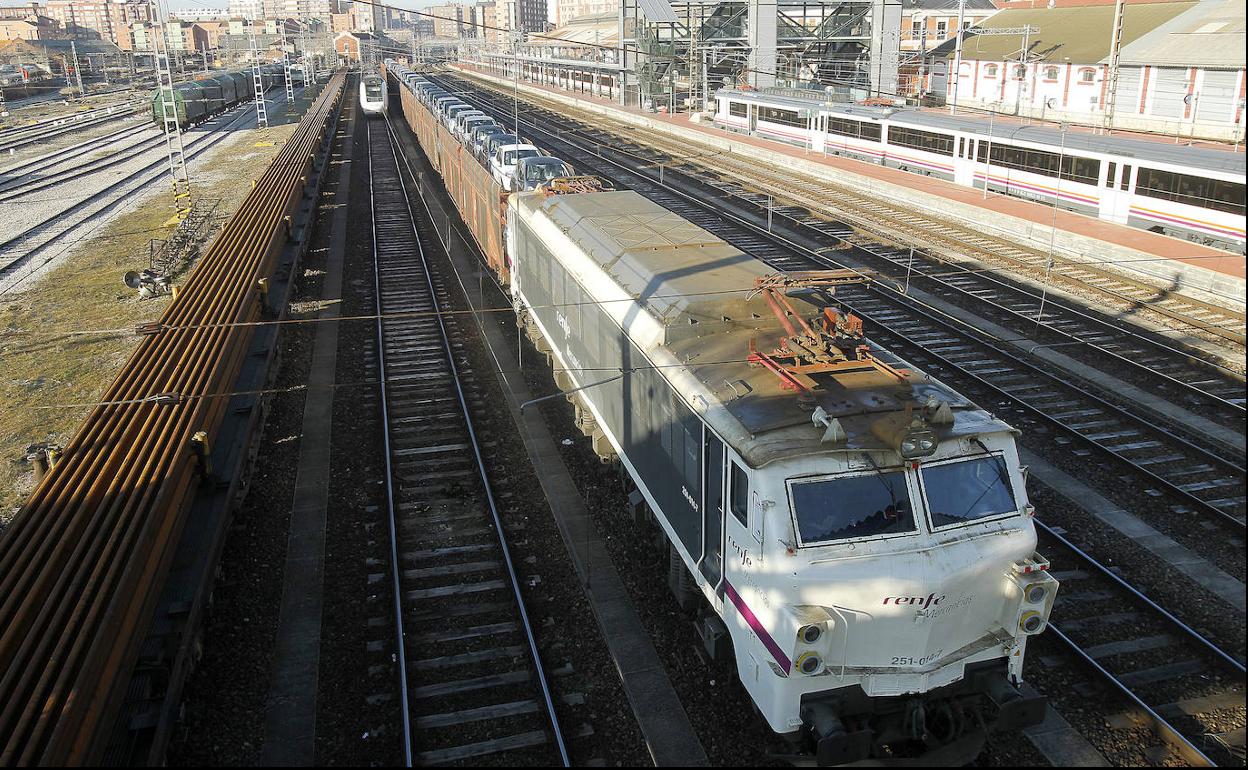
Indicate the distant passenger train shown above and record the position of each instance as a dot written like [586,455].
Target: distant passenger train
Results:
[198,100]
[1189,192]
[373,94]
[856,534]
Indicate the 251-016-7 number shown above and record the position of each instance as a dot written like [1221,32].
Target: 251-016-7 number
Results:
[905,660]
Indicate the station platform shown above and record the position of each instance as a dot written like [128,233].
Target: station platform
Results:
[1212,274]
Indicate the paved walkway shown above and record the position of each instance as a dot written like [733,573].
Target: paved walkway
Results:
[290,718]
[1041,214]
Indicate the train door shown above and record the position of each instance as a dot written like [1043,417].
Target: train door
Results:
[712,565]
[964,161]
[817,133]
[1116,192]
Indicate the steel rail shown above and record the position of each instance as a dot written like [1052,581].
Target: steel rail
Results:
[83,561]
[482,472]
[1166,731]
[67,126]
[395,564]
[77,171]
[211,136]
[936,316]
[1105,572]
[196,147]
[59,156]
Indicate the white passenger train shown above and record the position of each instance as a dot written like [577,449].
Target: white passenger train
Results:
[855,534]
[1190,192]
[373,94]
[860,532]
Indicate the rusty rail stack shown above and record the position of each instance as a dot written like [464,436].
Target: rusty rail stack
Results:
[83,563]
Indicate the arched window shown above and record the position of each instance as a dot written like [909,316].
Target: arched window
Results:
[1087,75]
[990,71]
[1020,71]
[1050,73]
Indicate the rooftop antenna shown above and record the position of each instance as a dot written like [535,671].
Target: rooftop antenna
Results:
[169,113]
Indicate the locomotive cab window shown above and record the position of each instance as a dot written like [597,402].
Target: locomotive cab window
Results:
[968,490]
[847,507]
[739,500]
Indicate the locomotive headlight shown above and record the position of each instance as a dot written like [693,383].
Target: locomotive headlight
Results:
[1035,593]
[912,437]
[809,663]
[918,443]
[1031,622]
[810,634]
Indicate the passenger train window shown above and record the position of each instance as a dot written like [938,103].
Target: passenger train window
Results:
[737,108]
[739,502]
[852,506]
[920,140]
[1110,179]
[1074,168]
[967,490]
[783,117]
[855,128]
[1191,190]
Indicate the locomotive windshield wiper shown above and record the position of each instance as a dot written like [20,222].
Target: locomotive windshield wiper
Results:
[879,474]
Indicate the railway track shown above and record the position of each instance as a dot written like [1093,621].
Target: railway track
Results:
[1185,686]
[14,175]
[1191,479]
[83,562]
[50,128]
[57,172]
[24,253]
[1191,378]
[473,684]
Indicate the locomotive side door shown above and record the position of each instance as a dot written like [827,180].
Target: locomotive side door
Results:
[712,565]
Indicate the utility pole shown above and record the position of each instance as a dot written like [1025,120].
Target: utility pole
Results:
[957,55]
[73,51]
[290,83]
[169,113]
[1115,49]
[257,78]
[923,61]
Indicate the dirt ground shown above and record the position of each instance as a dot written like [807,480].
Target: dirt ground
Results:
[63,339]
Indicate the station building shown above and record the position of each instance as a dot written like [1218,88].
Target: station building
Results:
[1181,67]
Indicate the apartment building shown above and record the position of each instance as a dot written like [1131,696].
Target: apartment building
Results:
[566,10]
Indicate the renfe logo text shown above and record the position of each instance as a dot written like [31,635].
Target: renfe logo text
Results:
[919,601]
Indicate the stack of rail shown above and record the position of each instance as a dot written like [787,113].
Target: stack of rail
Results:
[83,562]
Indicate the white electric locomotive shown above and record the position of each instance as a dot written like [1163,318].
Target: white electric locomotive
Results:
[373,94]
[857,534]
[1189,192]
[859,531]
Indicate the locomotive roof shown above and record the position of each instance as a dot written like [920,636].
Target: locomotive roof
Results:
[1005,130]
[698,289]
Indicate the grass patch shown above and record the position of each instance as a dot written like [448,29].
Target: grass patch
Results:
[51,372]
